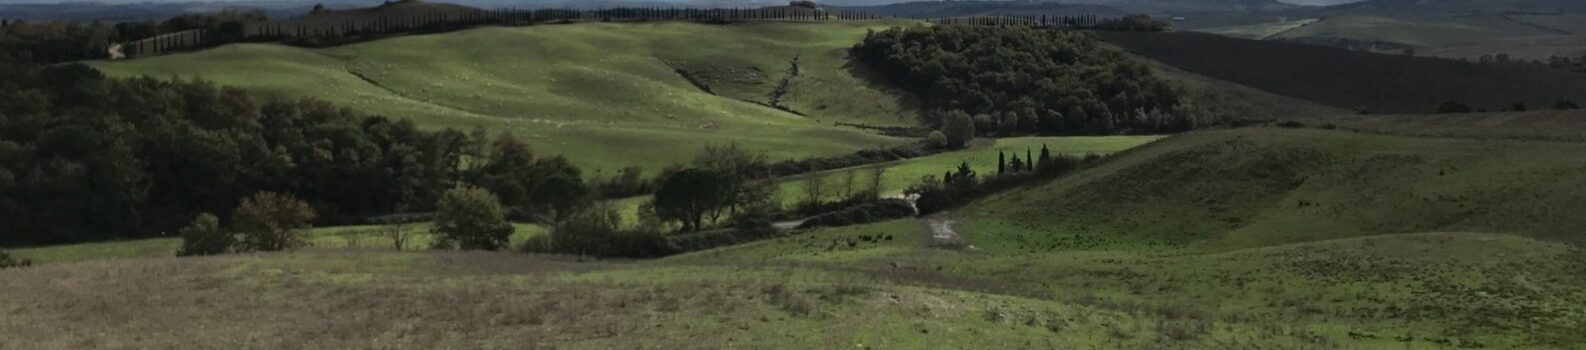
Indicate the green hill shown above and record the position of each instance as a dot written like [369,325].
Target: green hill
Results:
[1250,188]
[1243,238]
[606,95]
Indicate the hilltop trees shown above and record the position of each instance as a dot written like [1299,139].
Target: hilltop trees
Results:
[471,218]
[269,222]
[1023,80]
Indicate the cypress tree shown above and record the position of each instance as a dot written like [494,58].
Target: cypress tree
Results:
[1002,164]
[1031,160]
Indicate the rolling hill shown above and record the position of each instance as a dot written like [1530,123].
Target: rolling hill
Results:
[627,101]
[1363,81]
[1247,188]
[1249,238]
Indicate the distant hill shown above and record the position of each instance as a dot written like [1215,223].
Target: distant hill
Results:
[1357,80]
[1433,7]
[937,9]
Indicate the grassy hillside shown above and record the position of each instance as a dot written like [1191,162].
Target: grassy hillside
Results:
[1558,125]
[1245,238]
[323,237]
[1259,31]
[1249,188]
[1417,32]
[621,102]
[1354,80]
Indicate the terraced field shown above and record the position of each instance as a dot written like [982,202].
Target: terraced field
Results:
[605,95]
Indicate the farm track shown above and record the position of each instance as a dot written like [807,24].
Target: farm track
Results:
[942,233]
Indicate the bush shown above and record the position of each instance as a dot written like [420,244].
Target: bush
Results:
[597,231]
[205,237]
[1453,108]
[271,221]
[536,244]
[471,218]
[7,261]
[876,211]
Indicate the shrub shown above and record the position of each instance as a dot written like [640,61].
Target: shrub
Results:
[7,261]
[205,237]
[876,211]
[536,244]
[271,221]
[1453,108]
[471,218]
[1291,124]
[597,231]
[959,128]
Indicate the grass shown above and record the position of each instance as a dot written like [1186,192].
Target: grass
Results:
[1203,240]
[1259,31]
[899,175]
[365,236]
[619,103]
[1431,32]
[981,156]
[1249,188]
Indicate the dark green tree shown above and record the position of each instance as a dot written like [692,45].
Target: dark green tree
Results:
[688,195]
[271,221]
[471,218]
[205,237]
[959,129]
[1002,163]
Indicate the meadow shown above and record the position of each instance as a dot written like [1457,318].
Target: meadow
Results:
[1418,32]
[1242,238]
[605,95]
[357,237]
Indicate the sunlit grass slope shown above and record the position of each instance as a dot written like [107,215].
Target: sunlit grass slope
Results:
[1256,187]
[605,95]
[366,236]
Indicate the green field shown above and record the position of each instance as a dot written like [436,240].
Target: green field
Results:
[982,157]
[1259,31]
[367,236]
[899,175]
[605,95]
[1244,238]
[1429,32]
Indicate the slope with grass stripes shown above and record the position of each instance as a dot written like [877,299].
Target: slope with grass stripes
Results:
[605,95]
[1256,187]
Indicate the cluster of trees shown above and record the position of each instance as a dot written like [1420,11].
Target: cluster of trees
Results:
[62,41]
[84,157]
[1461,108]
[266,222]
[1134,23]
[962,184]
[1020,80]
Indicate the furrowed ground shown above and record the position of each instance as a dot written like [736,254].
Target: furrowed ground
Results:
[604,95]
[1246,238]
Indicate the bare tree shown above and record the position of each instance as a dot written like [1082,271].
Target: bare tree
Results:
[877,178]
[845,188]
[814,189]
[396,228]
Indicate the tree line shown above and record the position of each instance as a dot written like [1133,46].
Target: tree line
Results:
[24,42]
[1019,80]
